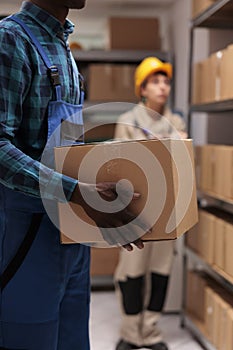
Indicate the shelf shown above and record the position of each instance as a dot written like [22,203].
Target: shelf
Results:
[102,282]
[107,107]
[217,274]
[218,15]
[117,56]
[105,112]
[216,200]
[220,106]
[196,329]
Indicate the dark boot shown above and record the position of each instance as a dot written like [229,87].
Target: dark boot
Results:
[123,345]
[157,346]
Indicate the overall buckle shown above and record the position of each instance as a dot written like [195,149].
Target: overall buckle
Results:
[54,75]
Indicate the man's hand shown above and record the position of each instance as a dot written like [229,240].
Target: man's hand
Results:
[105,206]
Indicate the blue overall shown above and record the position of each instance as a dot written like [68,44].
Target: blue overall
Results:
[45,286]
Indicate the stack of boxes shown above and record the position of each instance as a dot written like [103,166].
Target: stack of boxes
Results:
[208,304]
[212,240]
[115,81]
[211,309]
[214,170]
[212,77]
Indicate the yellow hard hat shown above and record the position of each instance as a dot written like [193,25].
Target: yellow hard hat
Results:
[147,67]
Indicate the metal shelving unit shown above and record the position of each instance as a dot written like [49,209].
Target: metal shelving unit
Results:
[200,265]
[219,15]
[118,56]
[214,107]
[215,200]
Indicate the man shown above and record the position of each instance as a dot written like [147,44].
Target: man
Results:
[142,277]
[45,287]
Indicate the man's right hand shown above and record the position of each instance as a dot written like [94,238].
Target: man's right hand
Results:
[114,222]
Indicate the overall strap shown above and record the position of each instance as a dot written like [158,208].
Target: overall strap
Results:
[52,69]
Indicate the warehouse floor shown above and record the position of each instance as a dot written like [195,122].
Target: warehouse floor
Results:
[105,321]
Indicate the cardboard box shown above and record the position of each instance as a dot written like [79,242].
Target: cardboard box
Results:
[206,236]
[161,170]
[228,248]
[214,77]
[206,89]
[195,295]
[198,6]
[198,150]
[209,312]
[104,261]
[192,238]
[111,82]
[210,162]
[210,79]
[222,317]
[197,83]
[223,185]
[208,168]
[218,304]
[215,334]
[230,330]
[226,73]
[219,243]
[134,33]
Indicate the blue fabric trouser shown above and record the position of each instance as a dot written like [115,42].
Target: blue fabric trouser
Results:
[45,306]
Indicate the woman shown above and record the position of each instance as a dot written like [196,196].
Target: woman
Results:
[142,276]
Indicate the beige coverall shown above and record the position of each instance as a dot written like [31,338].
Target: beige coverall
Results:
[141,276]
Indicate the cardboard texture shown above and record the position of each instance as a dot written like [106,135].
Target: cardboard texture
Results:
[222,317]
[209,312]
[134,33]
[206,82]
[192,238]
[228,248]
[104,261]
[111,82]
[217,310]
[197,86]
[226,73]
[206,242]
[214,77]
[195,295]
[161,170]
[201,237]
[219,244]
[198,6]
[229,329]
[209,162]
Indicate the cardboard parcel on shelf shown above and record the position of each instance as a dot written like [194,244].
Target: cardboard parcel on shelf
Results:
[162,171]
